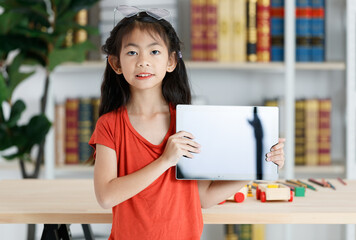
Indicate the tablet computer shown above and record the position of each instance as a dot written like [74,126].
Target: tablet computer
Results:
[234,141]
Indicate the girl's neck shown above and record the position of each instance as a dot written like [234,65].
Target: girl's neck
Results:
[146,103]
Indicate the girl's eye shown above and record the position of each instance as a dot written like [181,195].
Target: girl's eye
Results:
[155,52]
[131,53]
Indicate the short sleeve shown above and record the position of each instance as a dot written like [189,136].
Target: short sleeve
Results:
[104,132]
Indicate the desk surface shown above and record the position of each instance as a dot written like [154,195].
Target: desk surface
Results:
[73,201]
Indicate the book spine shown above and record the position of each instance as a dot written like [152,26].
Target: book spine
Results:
[197,30]
[318,31]
[225,31]
[311,131]
[60,133]
[72,143]
[96,104]
[324,132]
[81,18]
[231,232]
[263,30]
[252,30]
[258,231]
[245,232]
[303,31]
[85,128]
[299,132]
[239,30]
[277,30]
[212,30]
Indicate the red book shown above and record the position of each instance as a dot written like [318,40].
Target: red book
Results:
[72,140]
[324,140]
[263,30]
[211,30]
[198,27]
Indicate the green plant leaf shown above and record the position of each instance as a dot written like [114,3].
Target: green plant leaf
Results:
[15,76]
[8,20]
[4,92]
[76,53]
[16,112]
[37,129]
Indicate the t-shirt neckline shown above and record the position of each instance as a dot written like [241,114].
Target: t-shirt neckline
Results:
[137,134]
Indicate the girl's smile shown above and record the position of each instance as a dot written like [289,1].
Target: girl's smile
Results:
[144,76]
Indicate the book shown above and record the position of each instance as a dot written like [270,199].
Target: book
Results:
[318,30]
[239,42]
[324,139]
[71,137]
[258,231]
[299,132]
[85,128]
[277,30]
[211,25]
[263,30]
[252,30]
[96,104]
[59,133]
[311,131]
[245,232]
[231,232]
[198,28]
[303,30]
[225,31]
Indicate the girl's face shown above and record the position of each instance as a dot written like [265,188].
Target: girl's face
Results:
[144,60]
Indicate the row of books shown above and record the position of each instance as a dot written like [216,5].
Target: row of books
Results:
[245,232]
[312,131]
[73,125]
[253,30]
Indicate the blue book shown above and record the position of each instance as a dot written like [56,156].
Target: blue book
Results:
[303,31]
[277,30]
[318,31]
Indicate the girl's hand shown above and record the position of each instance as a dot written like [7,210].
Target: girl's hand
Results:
[276,154]
[178,145]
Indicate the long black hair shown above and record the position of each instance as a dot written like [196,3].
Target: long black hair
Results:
[115,91]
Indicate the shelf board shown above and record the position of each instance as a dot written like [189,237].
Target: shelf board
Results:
[206,65]
[274,66]
[330,169]
[341,66]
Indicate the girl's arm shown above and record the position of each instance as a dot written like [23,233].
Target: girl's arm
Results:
[214,192]
[111,190]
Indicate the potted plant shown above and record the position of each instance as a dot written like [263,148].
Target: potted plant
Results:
[33,33]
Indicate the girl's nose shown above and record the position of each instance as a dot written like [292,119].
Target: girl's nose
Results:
[143,61]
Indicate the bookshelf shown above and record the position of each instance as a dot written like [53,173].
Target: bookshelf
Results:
[289,71]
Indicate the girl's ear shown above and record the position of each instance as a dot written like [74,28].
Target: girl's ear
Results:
[172,62]
[114,63]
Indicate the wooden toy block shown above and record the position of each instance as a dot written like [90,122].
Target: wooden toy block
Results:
[299,191]
[280,192]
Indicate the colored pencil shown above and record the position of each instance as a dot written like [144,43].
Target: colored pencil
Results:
[331,185]
[308,185]
[315,181]
[342,181]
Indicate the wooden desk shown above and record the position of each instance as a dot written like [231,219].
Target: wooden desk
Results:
[73,201]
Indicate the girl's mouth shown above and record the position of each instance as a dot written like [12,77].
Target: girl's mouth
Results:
[144,75]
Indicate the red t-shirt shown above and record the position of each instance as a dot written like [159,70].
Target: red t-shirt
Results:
[166,209]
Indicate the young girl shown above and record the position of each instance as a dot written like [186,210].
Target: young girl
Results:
[136,147]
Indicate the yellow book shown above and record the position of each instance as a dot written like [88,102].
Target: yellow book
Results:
[311,131]
[252,30]
[258,231]
[239,36]
[299,132]
[224,31]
